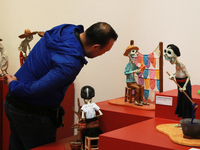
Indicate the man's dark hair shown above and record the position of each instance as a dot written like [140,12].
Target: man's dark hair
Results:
[100,33]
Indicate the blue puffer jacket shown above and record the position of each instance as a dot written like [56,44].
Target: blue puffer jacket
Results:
[50,68]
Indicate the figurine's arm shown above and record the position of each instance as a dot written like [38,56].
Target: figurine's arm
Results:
[20,47]
[100,113]
[129,70]
[188,78]
[29,47]
[171,77]
[97,108]
[83,115]
[184,86]
[136,71]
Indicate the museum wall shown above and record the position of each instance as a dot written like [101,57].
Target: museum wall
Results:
[146,22]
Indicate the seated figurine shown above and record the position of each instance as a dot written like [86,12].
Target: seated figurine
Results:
[89,114]
[130,69]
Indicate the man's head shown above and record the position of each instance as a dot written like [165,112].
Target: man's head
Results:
[98,39]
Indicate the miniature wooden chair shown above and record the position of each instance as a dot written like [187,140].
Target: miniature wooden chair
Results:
[88,141]
[129,94]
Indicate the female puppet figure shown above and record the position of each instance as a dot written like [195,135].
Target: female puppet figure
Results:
[130,70]
[89,114]
[184,106]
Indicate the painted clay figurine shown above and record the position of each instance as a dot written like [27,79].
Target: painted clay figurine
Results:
[184,107]
[28,35]
[130,69]
[89,110]
[4,60]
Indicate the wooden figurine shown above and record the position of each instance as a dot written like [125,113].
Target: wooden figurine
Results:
[4,60]
[28,35]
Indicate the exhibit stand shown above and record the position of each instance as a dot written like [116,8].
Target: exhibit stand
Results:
[4,123]
[62,132]
[131,128]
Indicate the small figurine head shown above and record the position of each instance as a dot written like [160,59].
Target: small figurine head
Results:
[132,52]
[87,92]
[27,34]
[171,53]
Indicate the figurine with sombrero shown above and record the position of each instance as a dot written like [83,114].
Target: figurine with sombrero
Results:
[131,69]
[27,36]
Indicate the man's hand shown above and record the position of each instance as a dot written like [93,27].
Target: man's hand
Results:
[8,78]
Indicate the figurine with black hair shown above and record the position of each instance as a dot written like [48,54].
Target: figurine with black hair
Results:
[184,107]
[89,110]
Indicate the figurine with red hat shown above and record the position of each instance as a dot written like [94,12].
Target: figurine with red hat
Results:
[28,35]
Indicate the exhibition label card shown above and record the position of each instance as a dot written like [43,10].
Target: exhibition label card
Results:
[163,100]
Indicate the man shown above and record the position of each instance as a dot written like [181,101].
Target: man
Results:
[36,91]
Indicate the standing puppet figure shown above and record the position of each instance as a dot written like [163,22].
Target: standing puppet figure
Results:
[184,106]
[28,35]
[4,60]
[89,114]
[130,70]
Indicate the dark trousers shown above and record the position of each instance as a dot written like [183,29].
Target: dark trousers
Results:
[28,130]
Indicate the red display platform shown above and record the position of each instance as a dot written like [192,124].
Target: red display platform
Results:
[139,136]
[63,144]
[168,112]
[62,132]
[68,118]
[128,128]
[4,123]
[115,117]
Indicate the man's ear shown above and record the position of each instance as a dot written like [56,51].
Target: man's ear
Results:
[96,47]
